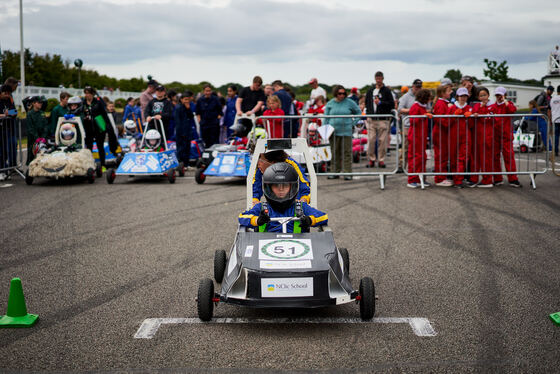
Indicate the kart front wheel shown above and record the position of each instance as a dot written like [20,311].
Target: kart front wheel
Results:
[99,171]
[219,265]
[90,175]
[367,298]
[345,259]
[171,176]
[199,176]
[111,175]
[181,169]
[204,302]
[28,179]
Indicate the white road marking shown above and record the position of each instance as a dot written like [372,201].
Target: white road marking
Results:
[148,329]
[6,185]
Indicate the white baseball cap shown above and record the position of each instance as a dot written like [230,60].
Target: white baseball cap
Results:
[500,91]
[462,91]
[445,82]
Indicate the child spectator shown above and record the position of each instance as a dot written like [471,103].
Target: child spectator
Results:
[484,140]
[36,125]
[458,134]
[417,135]
[318,108]
[280,184]
[503,141]
[58,111]
[160,108]
[274,127]
[440,135]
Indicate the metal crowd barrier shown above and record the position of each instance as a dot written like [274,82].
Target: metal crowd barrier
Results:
[335,155]
[477,146]
[11,156]
[554,132]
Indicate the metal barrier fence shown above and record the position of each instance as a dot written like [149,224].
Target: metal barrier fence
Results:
[337,142]
[554,132]
[470,150]
[11,157]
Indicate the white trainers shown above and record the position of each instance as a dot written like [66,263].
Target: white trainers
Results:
[3,177]
[445,183]
[413,185]
[489,185]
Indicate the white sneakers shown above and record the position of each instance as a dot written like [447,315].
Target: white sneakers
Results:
[445,183]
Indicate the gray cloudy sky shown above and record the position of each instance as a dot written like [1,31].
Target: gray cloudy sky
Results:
[338,41]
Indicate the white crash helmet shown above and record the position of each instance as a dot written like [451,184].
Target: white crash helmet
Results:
[153,139]
[130,127]
[68,134]
[75,100]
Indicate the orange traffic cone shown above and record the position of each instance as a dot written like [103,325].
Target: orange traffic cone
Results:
[16,315]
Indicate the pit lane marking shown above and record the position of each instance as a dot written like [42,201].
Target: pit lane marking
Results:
[148,329]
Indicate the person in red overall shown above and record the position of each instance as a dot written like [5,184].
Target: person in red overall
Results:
[440,135]
[458,136]
[417,135]
[274,127]
[503,141]
[484,139]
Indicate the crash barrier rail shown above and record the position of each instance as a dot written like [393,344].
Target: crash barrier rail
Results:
[334,155]
[475,146]
[11,152]
[554,132]
[54,93]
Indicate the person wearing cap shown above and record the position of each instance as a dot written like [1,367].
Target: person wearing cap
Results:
[503,140]
[355,95]
[458,137]
[554,115]
[379,100]
[468,82]
[36,125]
[160,108]
[405,103]
[316,91]
[147,96]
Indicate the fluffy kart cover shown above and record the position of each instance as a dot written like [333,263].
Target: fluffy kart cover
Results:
[61,164]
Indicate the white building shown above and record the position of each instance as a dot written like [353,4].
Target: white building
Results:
[519,93]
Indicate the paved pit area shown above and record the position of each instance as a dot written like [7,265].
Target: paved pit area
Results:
[479,266]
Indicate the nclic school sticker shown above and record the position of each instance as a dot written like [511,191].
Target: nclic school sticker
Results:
[285,249]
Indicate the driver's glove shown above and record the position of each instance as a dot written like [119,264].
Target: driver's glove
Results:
[263,219]
[305,222]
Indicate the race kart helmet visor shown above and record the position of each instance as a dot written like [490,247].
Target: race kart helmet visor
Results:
[68,134]
[153,139]
[280,185]
[130,127]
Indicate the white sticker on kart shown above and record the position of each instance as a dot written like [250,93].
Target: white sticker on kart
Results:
[249,251]
[228,160]
[304,264]
[286,287]
[285,249]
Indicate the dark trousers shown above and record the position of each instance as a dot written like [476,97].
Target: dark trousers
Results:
[183,148]
[99,138]
[210,135]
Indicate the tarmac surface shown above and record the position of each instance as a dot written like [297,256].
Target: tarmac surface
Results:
[481,265]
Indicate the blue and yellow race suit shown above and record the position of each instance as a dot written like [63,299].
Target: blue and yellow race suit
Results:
[304,190]
[249,218]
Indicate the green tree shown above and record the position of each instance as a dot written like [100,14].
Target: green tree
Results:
[454,74]
[495,71]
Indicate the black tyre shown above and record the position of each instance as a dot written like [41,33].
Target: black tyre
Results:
[219,265]
[356,157]
[171,176]
[111,175]
[523,148]
[90,175]
[28,179]
[99,171]
[345,259]
[367,301]
[181,169]
[199,176]
[204,302]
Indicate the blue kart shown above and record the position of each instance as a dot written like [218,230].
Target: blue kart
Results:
[149,163]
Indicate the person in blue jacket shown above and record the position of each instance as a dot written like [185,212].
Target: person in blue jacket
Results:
[271,157]
[183,126]
[281,186]
[230,112]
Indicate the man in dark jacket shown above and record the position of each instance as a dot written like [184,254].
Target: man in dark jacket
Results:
[209,111]
[288,108]
[160,108]
[183,125]
[379,100]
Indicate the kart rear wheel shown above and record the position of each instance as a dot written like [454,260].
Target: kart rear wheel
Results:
[181,169]
[356,157]
[204,302]
[199,176]
[90,175]
[219,265]
[111,175]
[171,175]
[28,179]
[523,148]
[345,259]
[367,301]
[99,171]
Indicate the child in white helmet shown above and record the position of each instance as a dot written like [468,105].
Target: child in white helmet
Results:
[152,142]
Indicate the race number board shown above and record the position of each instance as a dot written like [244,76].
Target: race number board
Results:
[285,249]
